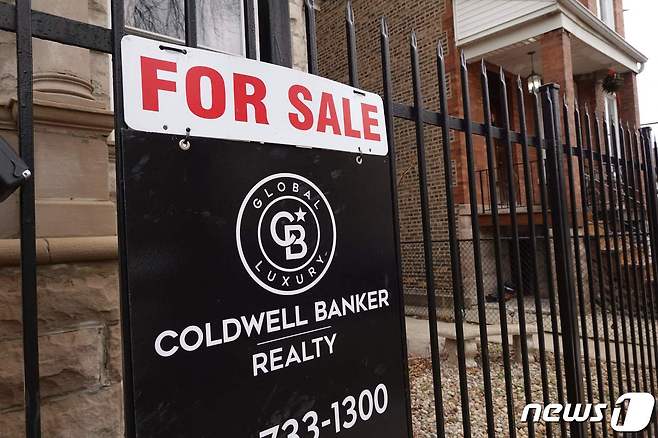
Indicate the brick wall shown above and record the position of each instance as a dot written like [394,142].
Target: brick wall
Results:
[590,93]
[618,6]
[590,4]
[628,101]
[430,24]
[433,22]
[619,17]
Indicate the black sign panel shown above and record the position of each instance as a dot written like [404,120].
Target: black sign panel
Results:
[263,291]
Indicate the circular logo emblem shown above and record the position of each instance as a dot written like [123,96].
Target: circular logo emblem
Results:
[286,234]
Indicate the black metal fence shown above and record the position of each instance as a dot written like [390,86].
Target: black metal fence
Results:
[595,240]
[594,312]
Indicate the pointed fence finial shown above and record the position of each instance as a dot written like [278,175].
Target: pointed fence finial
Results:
[414,40]
[483,66]
[383,26]
[501,78]
[519,82]
[462,58]
[439,49]
[349,12]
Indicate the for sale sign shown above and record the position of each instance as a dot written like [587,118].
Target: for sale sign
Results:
[178,90]
[261,278]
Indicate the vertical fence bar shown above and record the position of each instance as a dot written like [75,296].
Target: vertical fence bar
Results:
[190,23]
[543,192]
[529,195]
[575,233]
[118,30]
[251,39]
[481,191]
[351,45]
[455,256]
[427,244]
[652,160]
[614,202]
[502,308]
[516,251]
[633,267]
[311,37]
[653,153]
[390,133]
[651,170]
[588,259]
[477,250]
[649,180]
[608,251]
[599,262]
[28,221]
[567,299]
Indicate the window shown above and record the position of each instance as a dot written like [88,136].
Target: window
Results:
[606,12]
[220,23]
[162,17]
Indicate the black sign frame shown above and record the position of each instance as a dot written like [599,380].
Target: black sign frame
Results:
[123,224]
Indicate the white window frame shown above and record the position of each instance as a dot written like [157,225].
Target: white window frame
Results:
[606,12]
[612,119]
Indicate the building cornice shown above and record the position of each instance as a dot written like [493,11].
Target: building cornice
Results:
[61,114]
[583,13]
[570,15]
[52,250]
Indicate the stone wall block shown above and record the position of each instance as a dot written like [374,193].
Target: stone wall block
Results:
[298,35]
[10,302]
[113,367]
[69,294]
[69,361]
[90,414]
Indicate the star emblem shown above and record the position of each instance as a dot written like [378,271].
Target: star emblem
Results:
[300,215]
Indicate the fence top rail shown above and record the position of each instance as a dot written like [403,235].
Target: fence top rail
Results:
[60,29]
[406,112]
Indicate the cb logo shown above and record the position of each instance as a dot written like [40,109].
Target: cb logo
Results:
[286,234]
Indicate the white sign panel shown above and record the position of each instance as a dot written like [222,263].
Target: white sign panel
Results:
[175,89]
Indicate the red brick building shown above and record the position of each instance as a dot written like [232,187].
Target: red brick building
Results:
[574,43]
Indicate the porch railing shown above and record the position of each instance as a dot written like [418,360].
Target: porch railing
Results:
[502,186]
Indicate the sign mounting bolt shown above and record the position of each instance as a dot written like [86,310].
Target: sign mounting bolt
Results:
[359,158]
[184,143]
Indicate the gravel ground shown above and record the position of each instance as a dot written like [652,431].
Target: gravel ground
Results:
[423,398]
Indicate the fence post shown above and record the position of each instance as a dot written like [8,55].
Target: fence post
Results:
[550,94]
[645,141]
